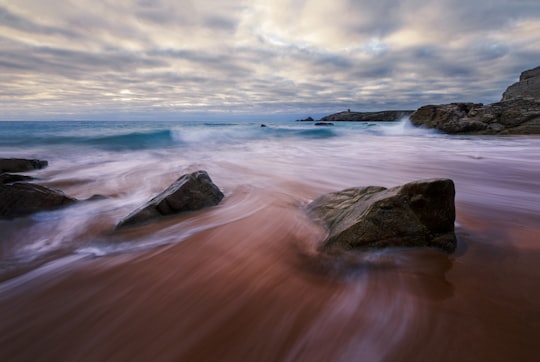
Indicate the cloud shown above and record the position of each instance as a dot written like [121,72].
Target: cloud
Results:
[297,56]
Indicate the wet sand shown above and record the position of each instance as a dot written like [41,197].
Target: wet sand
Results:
[255,289]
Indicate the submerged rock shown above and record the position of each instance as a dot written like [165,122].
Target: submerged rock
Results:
[20,164]
[324,124]
[189,193]
[417,214]
[21,199]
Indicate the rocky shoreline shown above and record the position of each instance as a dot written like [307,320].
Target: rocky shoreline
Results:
[418,214]
[518,113]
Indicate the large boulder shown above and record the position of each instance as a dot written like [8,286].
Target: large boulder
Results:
[417,214]
[449,118]
[21,199]
[20,164]
[189,193]
[517,116]
[517,113]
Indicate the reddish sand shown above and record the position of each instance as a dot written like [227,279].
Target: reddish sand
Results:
[256,290]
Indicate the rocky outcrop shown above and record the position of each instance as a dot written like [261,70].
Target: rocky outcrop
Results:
[309,119]
[20,164]
[517,113]
[7,178]
[21,199]
[528,86]
[189,193]
[417,214]
[517,116]
[382,116]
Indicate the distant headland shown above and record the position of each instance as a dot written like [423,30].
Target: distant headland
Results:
[350,116]
[518,112]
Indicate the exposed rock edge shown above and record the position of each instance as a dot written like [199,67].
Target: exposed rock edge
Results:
[190,192]
[417,214]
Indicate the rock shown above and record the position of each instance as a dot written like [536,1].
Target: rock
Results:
[21,199]
[381,116]
[20,165]
[189,193]
[449,118]
[324,124]
[517,113]
[528,86]
[309,119]
[7,178]
[417,214]
[517,116]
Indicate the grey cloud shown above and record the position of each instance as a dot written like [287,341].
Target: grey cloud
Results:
[490,52]
[8,19]
[374,70]
[378,18]
[225,63]
[239,69]
[220,23]
[73,64]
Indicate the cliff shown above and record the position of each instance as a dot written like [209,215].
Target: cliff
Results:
[528,86]
[517,113]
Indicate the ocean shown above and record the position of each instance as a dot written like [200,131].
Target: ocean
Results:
[243,280]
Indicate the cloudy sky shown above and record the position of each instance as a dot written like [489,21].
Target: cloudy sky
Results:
[180,58]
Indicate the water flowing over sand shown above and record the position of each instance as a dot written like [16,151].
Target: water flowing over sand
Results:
[244,281]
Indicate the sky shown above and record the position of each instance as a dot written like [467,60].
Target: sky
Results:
[181,59]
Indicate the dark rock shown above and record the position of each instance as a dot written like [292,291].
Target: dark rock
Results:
[20,165]
[7,178]
[324,124]
[517,116]
[381,116]
[263,125]
[309,119]
[21,199]
[528,86]
[189,193]
[517,113]
[417,214]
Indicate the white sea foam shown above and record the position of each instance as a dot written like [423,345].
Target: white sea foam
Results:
[294,159]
